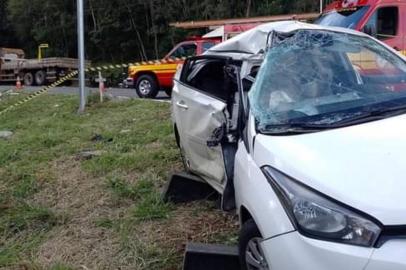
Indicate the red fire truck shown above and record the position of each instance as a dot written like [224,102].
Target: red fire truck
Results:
[383,19]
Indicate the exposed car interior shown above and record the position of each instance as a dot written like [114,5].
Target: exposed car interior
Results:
[217,78]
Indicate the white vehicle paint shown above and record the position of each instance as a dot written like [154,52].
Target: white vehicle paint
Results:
[319,176]
[202,159]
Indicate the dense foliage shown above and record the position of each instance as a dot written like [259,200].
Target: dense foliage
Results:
[121,30]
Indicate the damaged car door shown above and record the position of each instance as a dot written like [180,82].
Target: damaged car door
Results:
[200,114]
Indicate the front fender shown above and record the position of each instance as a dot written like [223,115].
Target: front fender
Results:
[255,194]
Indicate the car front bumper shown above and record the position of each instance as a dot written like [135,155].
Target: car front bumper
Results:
[293,251]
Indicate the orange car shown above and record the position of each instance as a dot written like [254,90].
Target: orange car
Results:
[150,79]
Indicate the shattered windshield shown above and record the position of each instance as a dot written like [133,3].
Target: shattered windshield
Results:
[318,79]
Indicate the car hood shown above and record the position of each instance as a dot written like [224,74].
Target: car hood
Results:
[363,166]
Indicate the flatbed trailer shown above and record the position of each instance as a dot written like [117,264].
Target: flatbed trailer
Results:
[13,65]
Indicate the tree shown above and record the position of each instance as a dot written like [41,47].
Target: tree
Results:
[122,30]
[6,30]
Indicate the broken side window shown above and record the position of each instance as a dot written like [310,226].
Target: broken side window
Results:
[209,77]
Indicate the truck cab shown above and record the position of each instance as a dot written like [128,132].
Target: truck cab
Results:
[382,19]
[150,79]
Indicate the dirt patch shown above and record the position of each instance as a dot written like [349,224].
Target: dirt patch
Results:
[3,187]
[82,201]
[154,145]
[194,222]
[206,226]
[79,200]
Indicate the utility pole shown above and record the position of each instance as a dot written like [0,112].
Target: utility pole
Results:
[321,6]
[81,55]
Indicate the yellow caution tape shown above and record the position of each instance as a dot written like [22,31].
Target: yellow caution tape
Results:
[93,69]
[38,93]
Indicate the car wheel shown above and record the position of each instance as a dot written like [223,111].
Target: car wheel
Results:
[168,91]
[147,87]
[28,79]
[251,254]
[40,77]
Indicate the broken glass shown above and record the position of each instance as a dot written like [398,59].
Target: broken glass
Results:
[324,77]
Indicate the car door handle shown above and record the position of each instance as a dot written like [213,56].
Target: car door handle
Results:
[396,48]
[182,105]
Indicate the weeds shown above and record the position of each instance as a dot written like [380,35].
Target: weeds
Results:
[60,266]
[152,208]
[123,189]
[59,212]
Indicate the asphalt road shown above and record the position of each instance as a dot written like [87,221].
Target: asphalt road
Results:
[74,90]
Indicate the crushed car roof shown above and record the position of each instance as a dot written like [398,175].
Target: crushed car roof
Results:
[255,40]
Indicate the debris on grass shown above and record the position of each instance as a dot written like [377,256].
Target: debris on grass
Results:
[100,138]
[6,134]
[125,131]
[89,154]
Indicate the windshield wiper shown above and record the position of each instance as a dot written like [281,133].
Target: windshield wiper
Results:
[372,115]
[309,127]
[293,128]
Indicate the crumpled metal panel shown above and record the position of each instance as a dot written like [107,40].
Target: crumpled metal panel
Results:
[196,125]
[209,162]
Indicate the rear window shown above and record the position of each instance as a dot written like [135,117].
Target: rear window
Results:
[207,45]
[347,18]
[185,50]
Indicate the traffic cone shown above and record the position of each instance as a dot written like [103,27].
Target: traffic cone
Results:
[18,83]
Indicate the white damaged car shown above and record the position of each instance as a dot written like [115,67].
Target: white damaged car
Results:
[302,129]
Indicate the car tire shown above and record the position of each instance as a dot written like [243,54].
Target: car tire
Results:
[168,91]
[147,86]
[251,255]
[40,77]
[28,79]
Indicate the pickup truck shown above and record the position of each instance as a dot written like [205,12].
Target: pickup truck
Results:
[150,79]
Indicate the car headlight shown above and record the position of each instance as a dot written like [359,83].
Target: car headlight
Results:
[317,216]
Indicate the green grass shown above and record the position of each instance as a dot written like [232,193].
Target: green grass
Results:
[140,189]
[17,219]
[125,182]
[149,202]
[152,207]
[60,266]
